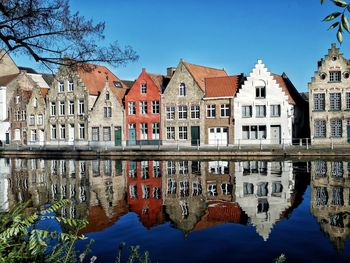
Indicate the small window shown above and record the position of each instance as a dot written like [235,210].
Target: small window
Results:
[61,86]
[182,89]
[70,85]
[143,88]
[107,95]
[334,76]
[260,92]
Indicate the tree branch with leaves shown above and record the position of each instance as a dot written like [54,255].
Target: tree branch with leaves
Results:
[343,23]
[49,32]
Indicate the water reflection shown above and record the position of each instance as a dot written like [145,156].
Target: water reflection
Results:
[330,194]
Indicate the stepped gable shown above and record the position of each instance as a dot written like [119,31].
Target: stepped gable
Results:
[199,73]
[95,80]
[222,86]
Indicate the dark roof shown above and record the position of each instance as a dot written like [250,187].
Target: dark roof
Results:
[49,78]
[287,86]
[28,70]
[160,81]
[305,95]
[7,79]
[128,83]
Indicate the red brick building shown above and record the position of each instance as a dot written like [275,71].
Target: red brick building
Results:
[143,106]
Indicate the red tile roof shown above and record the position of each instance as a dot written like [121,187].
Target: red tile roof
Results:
[199,73]
[222,86]
[95,81]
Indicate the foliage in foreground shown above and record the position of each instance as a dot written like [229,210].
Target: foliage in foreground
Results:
[23,240]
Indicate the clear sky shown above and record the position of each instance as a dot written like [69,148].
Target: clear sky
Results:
[287,35]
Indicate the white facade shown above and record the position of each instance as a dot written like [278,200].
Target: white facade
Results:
[4,184]
[262,111]
[4,125]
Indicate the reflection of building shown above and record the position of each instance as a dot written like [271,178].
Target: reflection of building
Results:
[144,186]
[263,191]
[330,193]
[4,184]
[184,193]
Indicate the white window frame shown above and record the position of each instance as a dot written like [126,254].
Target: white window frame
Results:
[320,129]
[143,131]
[170,133]
[319,101]
[107,136]
[62,108]
[107,112]
[335,76]
[195,111]
[53,108]
[53,131]
[183,133]
[336,128]
[95,134]
[211,111]
[71,107]
[131,108]
[182,112]
[70,85]
[260,111]
[335,101]
[170,112]
[155,107]
[225,110]
[143,107]
[81,131]
[182,90]
[81,107]
[275,110]
[62,131]
[143,88]
[155,130]
[61,86]
[246,111]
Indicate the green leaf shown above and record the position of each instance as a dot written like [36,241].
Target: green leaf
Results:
[331,16]
[340,36]
[345,23]
[340,3]
[333,26]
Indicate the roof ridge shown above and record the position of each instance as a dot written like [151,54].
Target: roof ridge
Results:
[203,66]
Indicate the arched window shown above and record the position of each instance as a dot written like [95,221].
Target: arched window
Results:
[182,89]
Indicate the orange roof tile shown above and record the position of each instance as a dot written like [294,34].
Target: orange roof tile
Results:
[222,86]
[43,92]
[199,73]
[95,81]
[288,88]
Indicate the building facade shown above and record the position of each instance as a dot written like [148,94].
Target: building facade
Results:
[143,109]
[329,95]
[268,109]
[182,105]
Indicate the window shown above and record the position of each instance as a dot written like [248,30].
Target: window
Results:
[32,119]
[157,193]
[182,112]
[320,129]
[61,86]
[62,108]
[35,102]
[170,113]
[225,110]
[63,131]
[71,107]
[171,186]
[131,108]
[184,188]
[144,170]
[275,110]
[260,92]
[106,134]
[182,89]
[70,85]
[95,134]
[143,107]
[133,191]
[24,115]
[195,112]
[81,107]
[182,133]
[334,76]
[248,189]
[212,190]
[171,168]
[211,111]
[17,115]
[246,111]
[155,130]
[40,119]
[156,169]
[144,131]
[319,102]
[155,107]
[254,132]
[260,111]
[145,191]
[53,108]
[336,128]
[107,95]
[81,131]
[33,135]
[183,167]
[335,101]
[17,99]
[348,100]
[143,88]
[53,131]
[196,188]
[170,133]
[107,112]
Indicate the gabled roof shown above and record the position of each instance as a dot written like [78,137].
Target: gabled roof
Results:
[95,80]
[28,70]
[222,86]
[160,81]
[39,80]
[199,73]
[7,79]
[288,88]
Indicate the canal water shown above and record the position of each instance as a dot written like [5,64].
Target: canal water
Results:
[195,210]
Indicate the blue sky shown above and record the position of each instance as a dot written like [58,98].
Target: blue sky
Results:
[287,35]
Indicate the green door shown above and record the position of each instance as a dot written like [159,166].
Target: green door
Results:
[195,139]
[118,136]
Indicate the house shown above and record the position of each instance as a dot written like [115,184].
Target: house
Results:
[85,106]
[218,104]
[329,95]
[143,109]
[182,104]
[268,109]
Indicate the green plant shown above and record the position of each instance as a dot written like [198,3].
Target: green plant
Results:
[22,240]
[135,256]
[282,258]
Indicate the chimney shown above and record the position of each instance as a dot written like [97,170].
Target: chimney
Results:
[170,71]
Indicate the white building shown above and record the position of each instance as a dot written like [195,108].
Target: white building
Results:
[4,184]
[268,109]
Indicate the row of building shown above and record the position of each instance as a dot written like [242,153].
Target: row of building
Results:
[191,104]
[192,194]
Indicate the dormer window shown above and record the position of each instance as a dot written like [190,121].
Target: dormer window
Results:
[61,86]
[107,95]
[182,89]
[260,92]
[143,88]
[70,85]
[334,76]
